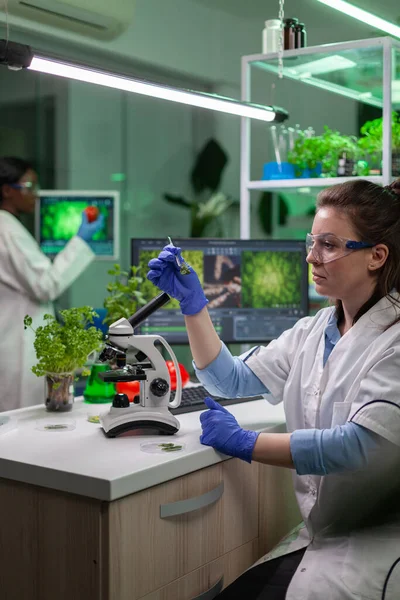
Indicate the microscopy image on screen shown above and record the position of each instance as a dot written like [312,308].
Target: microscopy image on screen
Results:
[271,279]
[222,281]
[193,257]
[60,220]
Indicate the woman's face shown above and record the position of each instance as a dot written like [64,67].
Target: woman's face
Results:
[23,195]
[344,277]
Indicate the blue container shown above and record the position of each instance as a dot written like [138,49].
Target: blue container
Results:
[273,170]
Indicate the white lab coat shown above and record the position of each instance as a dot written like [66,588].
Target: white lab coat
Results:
[29,282]
[352,521]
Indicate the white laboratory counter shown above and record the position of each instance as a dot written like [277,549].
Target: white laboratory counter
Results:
[88,517]
[84,461]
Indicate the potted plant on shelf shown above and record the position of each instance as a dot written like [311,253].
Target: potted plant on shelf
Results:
[322,151]
[370,144]
[62,346]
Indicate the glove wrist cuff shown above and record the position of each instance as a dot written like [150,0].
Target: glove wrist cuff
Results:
[190,307]
[247,445]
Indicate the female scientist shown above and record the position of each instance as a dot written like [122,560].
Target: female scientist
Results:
[29,281]
[338,375]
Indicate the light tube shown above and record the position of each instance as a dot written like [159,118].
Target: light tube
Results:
[362,15]
[199,99]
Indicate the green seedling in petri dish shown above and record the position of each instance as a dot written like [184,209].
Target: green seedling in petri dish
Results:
[170,447]
[94,419]
[174,449]
[183,267]
[56,427]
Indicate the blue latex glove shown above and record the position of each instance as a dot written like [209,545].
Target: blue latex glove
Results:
[87,230]
[223,432]
[164,273]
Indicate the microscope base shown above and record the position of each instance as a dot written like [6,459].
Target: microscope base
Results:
[140,421]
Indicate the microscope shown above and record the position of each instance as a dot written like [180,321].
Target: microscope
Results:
[139,359]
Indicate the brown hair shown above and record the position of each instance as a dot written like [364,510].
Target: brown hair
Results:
[374,212]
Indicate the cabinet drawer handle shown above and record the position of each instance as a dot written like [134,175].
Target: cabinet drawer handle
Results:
[212,592]
[186,506]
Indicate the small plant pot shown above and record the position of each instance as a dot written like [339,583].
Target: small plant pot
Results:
[59,392]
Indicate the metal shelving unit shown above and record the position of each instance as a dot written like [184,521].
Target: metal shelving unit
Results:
[365,70]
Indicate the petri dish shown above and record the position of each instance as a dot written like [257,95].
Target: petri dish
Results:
[55,425]
[162,447]
[7,424]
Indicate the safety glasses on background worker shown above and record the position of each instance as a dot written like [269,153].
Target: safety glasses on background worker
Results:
[27,187]
[326,247]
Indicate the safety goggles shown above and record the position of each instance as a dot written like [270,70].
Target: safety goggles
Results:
[326,247]
[27,187]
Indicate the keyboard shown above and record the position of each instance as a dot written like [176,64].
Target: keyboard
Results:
[193,399]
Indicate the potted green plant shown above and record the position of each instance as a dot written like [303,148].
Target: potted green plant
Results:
[124,294]
[324,150]
[370,144]
[62,346]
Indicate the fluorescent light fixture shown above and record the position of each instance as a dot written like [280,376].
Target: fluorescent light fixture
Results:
[320,66]
[199,99]
[362,15]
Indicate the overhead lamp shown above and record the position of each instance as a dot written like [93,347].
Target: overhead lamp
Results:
[15,56]
[154,90]
[362,15]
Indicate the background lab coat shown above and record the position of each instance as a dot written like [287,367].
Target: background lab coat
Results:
[29,282]
[352,520]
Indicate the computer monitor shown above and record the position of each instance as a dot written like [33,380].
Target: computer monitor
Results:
[59,215]
[256,288]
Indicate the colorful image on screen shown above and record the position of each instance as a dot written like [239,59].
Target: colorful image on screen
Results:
[61,220]
[271,279]
[222,281]
[60,216]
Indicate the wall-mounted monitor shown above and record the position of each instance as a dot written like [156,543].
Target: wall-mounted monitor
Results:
[59,215]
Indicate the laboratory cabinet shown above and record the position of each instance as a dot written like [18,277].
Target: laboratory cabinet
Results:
[178,540]
[85,517]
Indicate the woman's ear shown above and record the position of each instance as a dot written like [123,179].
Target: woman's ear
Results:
[6,191]
[379,254]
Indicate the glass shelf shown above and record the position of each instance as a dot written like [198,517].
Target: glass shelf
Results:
[297,184]
[351,69]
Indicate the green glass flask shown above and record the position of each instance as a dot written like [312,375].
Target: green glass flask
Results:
[97,391]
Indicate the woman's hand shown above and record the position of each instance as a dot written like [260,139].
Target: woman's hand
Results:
[165,274]
[221,431]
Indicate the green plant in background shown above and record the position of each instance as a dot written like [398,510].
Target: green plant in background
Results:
[193,257]
[372,136]
[207,204]
[63,346]
[322,149]
[270,279]
[125,295]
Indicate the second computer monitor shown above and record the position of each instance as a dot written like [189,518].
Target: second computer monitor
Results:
[59,215]
[256,288]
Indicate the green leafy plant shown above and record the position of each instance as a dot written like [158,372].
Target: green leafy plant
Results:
[207,204]
[125,296]
[372,134]
[322,149]
[63,346]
